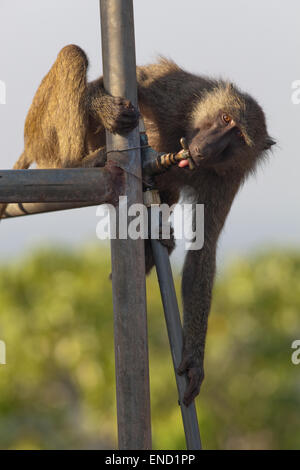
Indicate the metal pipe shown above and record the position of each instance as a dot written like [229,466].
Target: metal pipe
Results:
[166,283]
[172,316]
[128,256]
[53,185]
[20,210]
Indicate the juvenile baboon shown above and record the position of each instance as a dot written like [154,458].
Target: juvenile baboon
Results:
[227,137]
[64,127]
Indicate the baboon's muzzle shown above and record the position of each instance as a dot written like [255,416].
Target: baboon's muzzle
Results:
[211,143]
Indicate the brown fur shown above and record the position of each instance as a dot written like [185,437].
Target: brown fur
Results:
[174,104]
[65,127]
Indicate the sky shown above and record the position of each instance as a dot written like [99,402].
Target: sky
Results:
[253,43]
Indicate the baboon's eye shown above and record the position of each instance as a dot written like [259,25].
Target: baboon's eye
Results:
[226,118]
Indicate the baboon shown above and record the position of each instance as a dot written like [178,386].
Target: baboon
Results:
[226,133]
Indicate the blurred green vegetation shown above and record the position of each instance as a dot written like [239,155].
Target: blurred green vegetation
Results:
[57,390]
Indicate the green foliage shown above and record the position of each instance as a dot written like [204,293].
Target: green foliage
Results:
[58,388]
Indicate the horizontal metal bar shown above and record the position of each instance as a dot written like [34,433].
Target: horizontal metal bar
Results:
[84,185]
[32,208]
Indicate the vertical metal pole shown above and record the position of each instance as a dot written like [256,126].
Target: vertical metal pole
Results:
[128,257]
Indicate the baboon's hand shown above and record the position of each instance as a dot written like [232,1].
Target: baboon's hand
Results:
[195,375]
[119,115]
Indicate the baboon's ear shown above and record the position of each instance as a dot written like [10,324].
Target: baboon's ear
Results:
[269,142]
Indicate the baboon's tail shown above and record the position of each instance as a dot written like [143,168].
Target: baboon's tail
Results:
[21,164]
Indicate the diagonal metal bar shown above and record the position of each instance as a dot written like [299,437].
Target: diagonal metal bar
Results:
[172,317]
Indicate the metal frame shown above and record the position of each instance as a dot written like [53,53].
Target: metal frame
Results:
[37,191]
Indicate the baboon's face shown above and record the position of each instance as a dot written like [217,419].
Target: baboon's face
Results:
[216,140]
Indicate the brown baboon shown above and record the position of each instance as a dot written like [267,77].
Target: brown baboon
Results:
[227,137]
[63,127]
